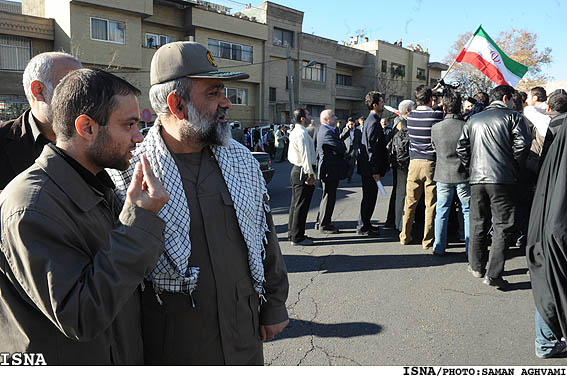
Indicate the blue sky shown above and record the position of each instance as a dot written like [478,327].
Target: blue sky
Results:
[437,24]
[434,24]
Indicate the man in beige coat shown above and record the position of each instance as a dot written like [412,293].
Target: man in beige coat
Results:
[71,261]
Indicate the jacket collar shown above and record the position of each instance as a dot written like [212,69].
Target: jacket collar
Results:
[68,179]
[498,105]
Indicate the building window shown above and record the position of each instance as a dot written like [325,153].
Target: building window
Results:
[230,51]
[397,70]
[421,74]
[108,30]
[15,52]
[237,96]
[272,95]
[283,37]
[156,40]
[344,80]
[315,72]
[384,66]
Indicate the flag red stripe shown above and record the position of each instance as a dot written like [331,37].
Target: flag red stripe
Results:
[484,66]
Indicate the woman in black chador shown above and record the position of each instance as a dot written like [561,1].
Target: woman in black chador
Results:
[547,250]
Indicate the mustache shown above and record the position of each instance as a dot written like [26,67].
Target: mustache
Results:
[220,113]
[209,128]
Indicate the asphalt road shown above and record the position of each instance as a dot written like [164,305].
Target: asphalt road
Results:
[371,301]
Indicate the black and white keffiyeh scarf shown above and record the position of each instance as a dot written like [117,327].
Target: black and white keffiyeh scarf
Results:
[245,182]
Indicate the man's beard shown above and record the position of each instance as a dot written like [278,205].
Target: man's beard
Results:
[203,129]
[104,153]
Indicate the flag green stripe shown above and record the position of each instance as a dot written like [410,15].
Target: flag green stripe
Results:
[513,66]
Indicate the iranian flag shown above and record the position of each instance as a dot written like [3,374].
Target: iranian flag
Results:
[483,53]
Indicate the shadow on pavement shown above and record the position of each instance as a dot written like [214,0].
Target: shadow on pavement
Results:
[525,285]
[345,227]
[282,206]
[519,271]
[301,328]
[352,263]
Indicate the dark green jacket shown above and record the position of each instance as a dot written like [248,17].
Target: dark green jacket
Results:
[70,268]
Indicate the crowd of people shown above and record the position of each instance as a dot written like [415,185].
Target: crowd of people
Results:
[487,149]
[274,141]
[114,245]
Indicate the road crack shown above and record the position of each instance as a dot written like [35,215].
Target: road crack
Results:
[312,280]
[330,357]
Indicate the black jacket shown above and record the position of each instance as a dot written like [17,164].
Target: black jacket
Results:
[352,145]
[330,150]
[399,148]
[373,157]
[494,145]
[18,149]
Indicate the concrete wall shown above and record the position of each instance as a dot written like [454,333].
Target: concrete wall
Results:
[26,26]
[90,51]
[40,33]
[143,7]
[33,7]
[169,16]
[228,24]
[412,60]
[60,11]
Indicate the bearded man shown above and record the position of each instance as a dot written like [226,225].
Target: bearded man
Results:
[71,261]
[220,286]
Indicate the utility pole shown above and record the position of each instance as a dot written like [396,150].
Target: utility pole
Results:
[290,81]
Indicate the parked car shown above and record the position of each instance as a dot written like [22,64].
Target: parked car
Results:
[265,165]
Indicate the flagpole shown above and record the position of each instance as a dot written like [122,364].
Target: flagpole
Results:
[455,60]
[445,75]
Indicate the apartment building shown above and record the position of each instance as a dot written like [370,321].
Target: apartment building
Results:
[21,38]
[122,36]
[327,74]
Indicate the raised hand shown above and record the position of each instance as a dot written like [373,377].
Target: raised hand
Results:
[145,190]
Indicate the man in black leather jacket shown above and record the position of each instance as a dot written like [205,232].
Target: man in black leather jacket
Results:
[493,148]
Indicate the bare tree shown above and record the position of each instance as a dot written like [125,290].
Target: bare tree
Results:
[518,44]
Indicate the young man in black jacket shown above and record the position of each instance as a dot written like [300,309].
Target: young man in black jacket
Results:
[372,162]
[493,147]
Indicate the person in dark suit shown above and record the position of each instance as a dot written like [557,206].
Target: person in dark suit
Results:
[22,139]
[372,162]
[332,168]
[351,136]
